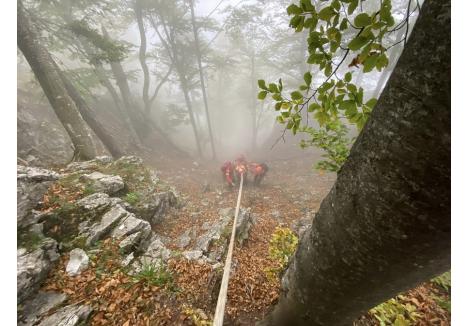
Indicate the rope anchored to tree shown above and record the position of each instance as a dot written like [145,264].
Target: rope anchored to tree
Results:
[222,296]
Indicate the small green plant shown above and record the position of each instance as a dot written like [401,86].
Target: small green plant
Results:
[88,189]
[395,312]
[444,303]
[444,281]
[197,316]
[132,198]
[283,244]
[155,274]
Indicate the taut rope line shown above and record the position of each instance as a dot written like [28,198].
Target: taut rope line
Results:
[222,296]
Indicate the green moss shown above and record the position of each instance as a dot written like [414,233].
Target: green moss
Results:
[132,198]
[29,240]
[153,274]
[443,281]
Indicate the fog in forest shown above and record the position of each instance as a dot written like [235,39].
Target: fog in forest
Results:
[99,47]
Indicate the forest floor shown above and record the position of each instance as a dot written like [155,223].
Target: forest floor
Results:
[291,191]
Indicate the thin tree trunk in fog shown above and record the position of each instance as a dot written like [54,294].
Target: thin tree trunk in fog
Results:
[385,225]
[171,49]
[102,76]
[89,116]
[142,55]
[136,115]
[202,81]
[43,67]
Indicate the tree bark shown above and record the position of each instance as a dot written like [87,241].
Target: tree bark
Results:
[385,225]
[202,80]
[137,118]
[171,48]
[142,56]
[43,67]
[88,115]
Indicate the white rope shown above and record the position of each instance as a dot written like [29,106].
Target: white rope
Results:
[222,296]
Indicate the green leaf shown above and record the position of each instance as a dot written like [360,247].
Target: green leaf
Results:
[348,76]
[280,85]
[278,106]
[306,5]
[382,62]
[336,4]
[303,87]
[308,78]
[352,6]
[370,63]
[314,106]
[344,24]
[277,97]
[296,95]
[321,117]
[362,20]
[328,70]
[371,103]
[262,95]
[273,88]
[326,13]
[294,10]
[357,43]
[261,84]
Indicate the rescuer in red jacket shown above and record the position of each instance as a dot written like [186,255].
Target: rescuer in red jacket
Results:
[258,172]
[240,167]
[228,172]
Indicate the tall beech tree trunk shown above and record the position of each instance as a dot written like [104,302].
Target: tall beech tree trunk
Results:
[140,124]
[142,55]
[104,80]
[89,116]
[43,67]
[202,80]
[385,225]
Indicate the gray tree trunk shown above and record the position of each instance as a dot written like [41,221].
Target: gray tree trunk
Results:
[89,116]
[385,225]
[43,67]
[136,115]
[202,80]
[142,55]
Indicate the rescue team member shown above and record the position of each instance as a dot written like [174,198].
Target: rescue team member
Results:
[240,167]
[232,172]
[258,171]
[227,171]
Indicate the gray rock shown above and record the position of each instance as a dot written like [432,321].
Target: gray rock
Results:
[108,222]
[89,165]
[153,208]
[109,184]
[95,202]
[138,241]
[68,316]
[193,254]
[32,184]
[36,307]
[78,262]
[155,255]
[129,160]
[243,225]
[129,225]
[127,260]
[32,267]
[185,239]
[215,230]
